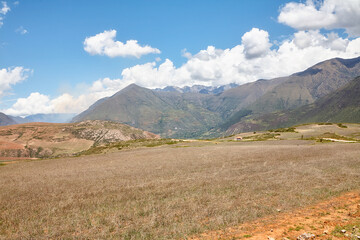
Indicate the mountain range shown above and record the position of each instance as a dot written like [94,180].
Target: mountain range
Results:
[190,112]
[198,89]
[327,91]
[49,118]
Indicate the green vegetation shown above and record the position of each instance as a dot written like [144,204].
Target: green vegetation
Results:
[341,125]
[262,137]
[336,136]
[326,123]
[352,228]
[131,144]
[235,118]
[290,129]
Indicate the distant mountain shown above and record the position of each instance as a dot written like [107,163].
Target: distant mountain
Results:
[6,120]
[51,118]
[340,106]
[19,120]
[41,117]
[172,113]
[198,89]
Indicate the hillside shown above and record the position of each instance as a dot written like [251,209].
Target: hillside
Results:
[188,115]
[306,87]
[51,140]
[6,120]
[339,106]
[171,114]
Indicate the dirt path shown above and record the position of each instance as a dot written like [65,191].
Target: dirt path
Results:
[339,140]
[326,220]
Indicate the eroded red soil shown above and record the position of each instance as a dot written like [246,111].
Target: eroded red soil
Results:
[323,220]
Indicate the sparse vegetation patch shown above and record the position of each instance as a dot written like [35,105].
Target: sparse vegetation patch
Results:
[290,129]
[341,125]
[131,144]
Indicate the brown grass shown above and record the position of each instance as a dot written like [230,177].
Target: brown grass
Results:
[170,192]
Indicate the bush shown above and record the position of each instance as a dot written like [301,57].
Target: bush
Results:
[341,125]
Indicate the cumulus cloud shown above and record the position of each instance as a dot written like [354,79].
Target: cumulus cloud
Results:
[11,76]
[4,9]
[256,43]
[328,14]
[104,44]
[214,66]
[313,38]
[35,103]
[39,103]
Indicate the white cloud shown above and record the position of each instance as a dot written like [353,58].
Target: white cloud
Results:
[21,30]
[314,38]
[40,103]
[104,44]
[3,11]
[328,14]
[35,103]
[256,43]
[214,66]
[11,76]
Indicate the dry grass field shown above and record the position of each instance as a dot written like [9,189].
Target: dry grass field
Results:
[171,191]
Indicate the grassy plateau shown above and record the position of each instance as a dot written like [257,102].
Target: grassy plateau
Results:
[172,191]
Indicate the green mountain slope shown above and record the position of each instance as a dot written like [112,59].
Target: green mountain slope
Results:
[342,105]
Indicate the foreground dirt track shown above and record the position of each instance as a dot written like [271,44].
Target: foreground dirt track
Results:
[324,220]
[171,192]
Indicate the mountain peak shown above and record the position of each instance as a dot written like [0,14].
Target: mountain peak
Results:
[132,86]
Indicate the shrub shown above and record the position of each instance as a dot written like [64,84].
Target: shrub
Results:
[341,125]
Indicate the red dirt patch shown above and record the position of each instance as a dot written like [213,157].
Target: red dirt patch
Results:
[319,220]
[10,145]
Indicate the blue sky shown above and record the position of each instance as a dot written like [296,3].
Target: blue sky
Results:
[188,42]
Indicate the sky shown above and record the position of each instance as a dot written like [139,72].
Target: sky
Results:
[61,56]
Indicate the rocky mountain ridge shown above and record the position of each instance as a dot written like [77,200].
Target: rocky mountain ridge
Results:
[189,115]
